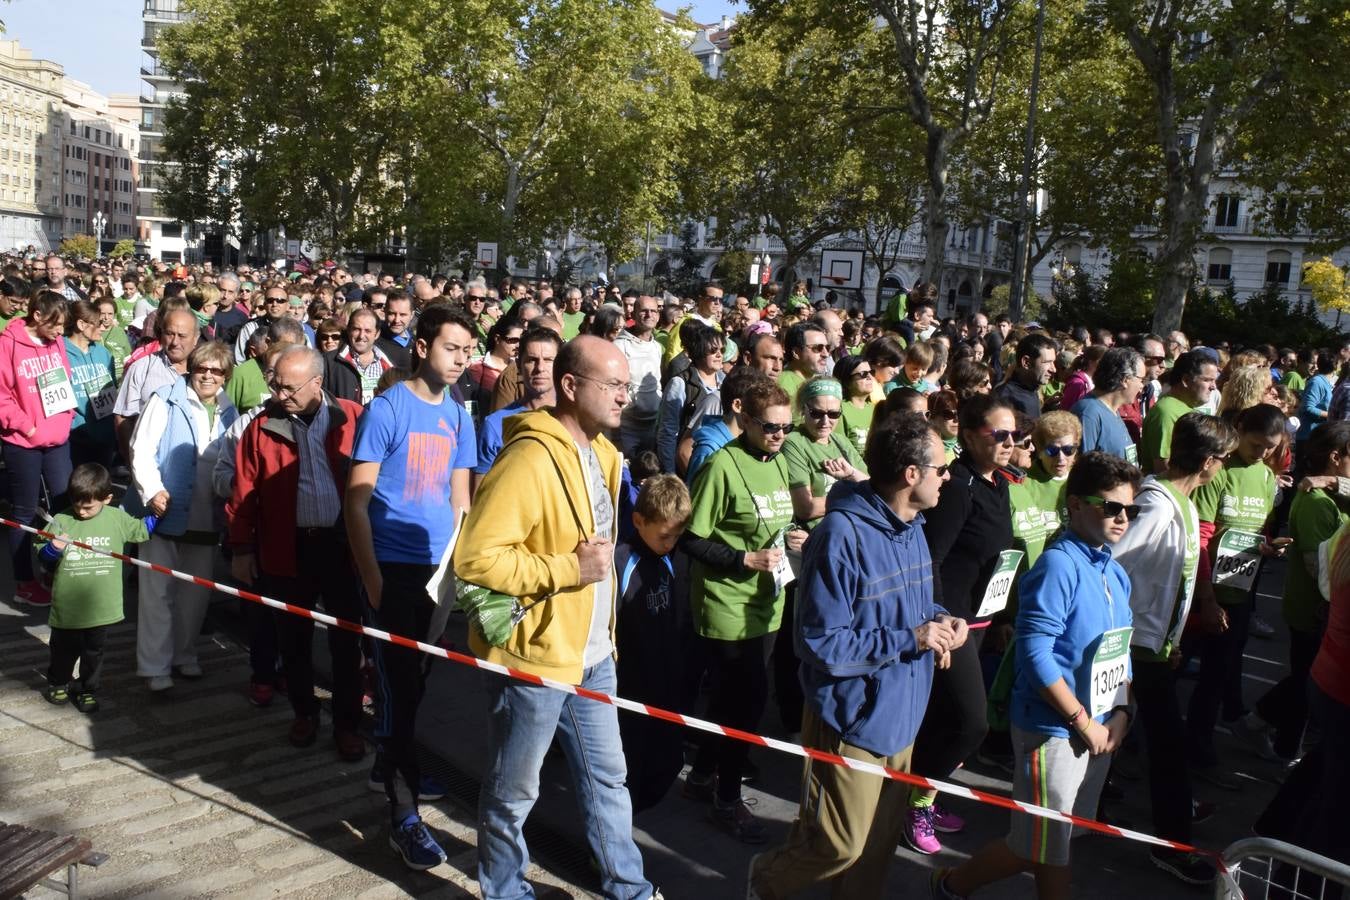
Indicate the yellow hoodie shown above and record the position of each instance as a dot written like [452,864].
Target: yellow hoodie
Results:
[520,539]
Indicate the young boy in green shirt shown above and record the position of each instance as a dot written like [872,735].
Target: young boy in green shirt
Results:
[87,589]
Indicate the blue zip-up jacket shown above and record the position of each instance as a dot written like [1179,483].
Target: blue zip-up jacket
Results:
[866,583]
[1064,607]
[1316,399]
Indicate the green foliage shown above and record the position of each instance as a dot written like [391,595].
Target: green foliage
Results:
[1033,306]
[1264,316]
[84,246]
[123,248]
[732,269]
[1122,301]
[684,276]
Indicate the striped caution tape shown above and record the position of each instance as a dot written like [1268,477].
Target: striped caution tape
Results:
[655,712]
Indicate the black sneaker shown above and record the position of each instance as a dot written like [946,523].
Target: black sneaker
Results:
[737,819]
[85,702]
[699,787]
[1188,867]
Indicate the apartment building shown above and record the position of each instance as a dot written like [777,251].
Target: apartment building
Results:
[98,165]
[30,165]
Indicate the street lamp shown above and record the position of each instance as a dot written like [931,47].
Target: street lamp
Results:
[99,222]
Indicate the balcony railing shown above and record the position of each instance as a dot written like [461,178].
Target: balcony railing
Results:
[168,12]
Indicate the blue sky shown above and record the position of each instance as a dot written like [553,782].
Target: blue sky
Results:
[98,41]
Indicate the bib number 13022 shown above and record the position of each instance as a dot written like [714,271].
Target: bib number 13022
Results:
[1108,686]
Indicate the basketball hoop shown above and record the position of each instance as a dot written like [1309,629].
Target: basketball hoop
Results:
[835,280]
[485,264]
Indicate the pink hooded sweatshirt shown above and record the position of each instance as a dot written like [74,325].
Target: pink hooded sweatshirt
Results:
[22,360]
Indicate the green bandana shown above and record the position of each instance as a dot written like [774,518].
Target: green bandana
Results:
[822,387]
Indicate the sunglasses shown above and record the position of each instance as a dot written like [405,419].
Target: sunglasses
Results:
[940,470]
[209,370]
[1155,360]
[823,414]
[330,335]
[1056,449]
[510,340]
[1002,435]
[377,306]
[950,415]
[865,373]
[1113,508]
[772,428]
[817,348]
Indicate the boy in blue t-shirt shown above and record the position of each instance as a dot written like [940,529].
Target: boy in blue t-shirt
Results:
[653,634]
[409,479]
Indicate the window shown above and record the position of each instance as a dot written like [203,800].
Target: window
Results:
[1277,267]
[1226,211]
[1220,265]
[171,230]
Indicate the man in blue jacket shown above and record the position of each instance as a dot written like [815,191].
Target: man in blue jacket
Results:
[865,626]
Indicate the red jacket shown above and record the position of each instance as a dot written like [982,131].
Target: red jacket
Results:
[261,513]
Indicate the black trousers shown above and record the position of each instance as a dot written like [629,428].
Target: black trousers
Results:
[956,720]
[83,644]
[323,571]
[1286,704]
[739,684]
[1219,684]
[401,675]
[1169,781]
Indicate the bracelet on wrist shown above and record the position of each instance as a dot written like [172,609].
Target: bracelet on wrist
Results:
[1073,719]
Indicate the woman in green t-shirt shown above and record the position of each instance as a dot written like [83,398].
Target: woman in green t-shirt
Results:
[1233,509]
[739,532]
[1315,516]
[1037,501]
[855,374]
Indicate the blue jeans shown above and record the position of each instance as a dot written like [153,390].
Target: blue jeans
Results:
[523,720]
[27,468]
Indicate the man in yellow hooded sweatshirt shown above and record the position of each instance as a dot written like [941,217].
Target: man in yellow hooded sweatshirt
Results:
[542,529]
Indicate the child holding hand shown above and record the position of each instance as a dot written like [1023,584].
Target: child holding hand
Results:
[87,590]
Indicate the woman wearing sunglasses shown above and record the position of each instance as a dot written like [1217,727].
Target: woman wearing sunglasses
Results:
[1234,509]
[817,456]
[855,374]
[1037,501]
[967,533]
[1161,554]
[943,412]
[738,533]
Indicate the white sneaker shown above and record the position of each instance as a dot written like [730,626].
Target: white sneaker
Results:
[161,683]
[190,670]
[1253,730]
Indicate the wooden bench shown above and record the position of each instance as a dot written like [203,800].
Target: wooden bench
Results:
[28,856]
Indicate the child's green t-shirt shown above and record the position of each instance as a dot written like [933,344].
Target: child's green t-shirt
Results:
[87,590]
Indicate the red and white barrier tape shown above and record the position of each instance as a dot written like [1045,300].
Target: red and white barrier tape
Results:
[955,790]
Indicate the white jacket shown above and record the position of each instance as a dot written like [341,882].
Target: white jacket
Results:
[1153,554]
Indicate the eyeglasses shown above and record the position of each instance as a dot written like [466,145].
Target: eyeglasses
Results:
[823,414]
[209,370]
[1054,450]
[1002,435]
[940,470]
[772,428]
[1113,508]
[609,387]
[282,393]
[865,373]
[330,335]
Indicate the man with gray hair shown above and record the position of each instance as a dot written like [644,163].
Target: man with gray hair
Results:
[230,314]
[286,531]
[248,386]
[1117,383]
[178,335]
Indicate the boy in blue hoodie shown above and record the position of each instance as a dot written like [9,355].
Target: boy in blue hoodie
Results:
[1070,701]
[653,635]
[867,666]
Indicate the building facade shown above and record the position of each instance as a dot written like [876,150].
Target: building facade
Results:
[163,236]
[98,166]
[30,163]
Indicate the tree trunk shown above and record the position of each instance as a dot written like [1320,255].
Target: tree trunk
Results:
[506,238]
[935,216]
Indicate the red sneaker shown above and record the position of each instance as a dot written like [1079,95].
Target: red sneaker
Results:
[259,693]
[33,594]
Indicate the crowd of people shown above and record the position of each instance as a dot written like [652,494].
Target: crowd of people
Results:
[925,540]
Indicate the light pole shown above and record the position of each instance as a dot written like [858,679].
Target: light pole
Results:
[99,222]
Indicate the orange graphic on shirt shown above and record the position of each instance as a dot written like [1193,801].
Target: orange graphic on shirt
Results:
[427,475]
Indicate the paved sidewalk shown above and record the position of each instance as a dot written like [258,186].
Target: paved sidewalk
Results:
[197,793]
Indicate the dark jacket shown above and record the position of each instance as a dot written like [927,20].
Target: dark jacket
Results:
[340,377]
[966,531]
[398,354]
[866,584]
[1025,400]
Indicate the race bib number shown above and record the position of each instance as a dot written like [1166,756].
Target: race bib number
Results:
[1000,583]
[782,573]
[1237,560]
[1132,454]
[1108,687]
[57,394]
[104,400]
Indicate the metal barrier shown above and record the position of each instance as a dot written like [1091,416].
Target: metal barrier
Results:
[1263,869]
